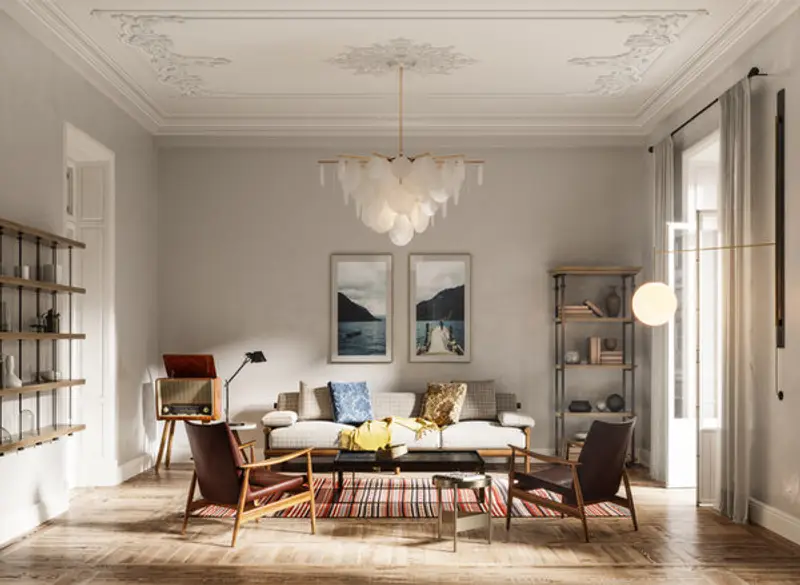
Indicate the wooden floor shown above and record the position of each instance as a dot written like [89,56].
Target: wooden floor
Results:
[131,534]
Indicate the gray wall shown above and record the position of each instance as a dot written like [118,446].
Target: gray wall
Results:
[246,235]
[776,464]
[38,94]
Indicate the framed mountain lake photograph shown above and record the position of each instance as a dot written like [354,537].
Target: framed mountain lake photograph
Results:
[439,295]
[361,308]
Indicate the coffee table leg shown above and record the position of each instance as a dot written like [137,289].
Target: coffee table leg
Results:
[489,513]
[340,487]
[440,512]
[455,519]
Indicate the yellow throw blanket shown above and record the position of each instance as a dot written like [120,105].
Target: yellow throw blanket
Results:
[377,434]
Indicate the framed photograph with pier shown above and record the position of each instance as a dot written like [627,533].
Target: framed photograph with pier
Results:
[361,308]
[439,295]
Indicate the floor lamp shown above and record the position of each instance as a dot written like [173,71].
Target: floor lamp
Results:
[255,357]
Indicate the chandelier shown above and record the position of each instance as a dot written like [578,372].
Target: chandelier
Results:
[401,195]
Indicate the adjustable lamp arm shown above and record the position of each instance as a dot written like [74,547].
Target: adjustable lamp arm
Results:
[246,361]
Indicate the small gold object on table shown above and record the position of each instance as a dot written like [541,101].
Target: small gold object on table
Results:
[462,521]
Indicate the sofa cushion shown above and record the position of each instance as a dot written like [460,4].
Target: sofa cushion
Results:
[279,418]
[429,440]
[351,402]
[443,402]
[405,404]
[320,434]
[480,403]
[515,419]
[314,403]
[480,434]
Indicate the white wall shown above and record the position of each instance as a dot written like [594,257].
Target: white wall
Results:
[38,94]
[246,236]
[776,464]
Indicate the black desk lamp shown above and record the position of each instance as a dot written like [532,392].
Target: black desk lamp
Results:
[256,357]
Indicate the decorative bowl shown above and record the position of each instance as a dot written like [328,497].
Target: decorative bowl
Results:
[615,403]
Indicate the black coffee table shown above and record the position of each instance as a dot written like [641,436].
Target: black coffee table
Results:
[413,461]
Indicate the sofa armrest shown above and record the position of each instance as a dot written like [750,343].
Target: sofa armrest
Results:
[279,418]
[515,419]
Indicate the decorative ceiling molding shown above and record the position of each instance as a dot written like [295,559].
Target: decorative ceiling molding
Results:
[379,59]
[47,21]
[172,68]
[625,70]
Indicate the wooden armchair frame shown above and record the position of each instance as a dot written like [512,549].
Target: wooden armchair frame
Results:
[578,510]
[244,511]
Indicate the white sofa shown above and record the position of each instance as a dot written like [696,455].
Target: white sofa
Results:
[490,438]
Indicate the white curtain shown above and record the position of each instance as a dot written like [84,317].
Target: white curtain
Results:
[663,210]
[737,298]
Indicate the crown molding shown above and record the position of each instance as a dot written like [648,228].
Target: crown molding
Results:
[47,22]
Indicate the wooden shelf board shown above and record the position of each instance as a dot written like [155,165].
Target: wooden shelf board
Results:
[595,414]
[35,285]
[32,234]
[30,439]
[31,388]
[607,366]
[595,320]
[31,336]
[595,271]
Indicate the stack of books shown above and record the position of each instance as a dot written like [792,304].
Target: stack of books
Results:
[574,311]
[595,349]
[611,357]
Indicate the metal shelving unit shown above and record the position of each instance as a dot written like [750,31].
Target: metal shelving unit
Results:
[627,370]
[47,248]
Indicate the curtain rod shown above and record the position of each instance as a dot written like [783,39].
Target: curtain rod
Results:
[754,72]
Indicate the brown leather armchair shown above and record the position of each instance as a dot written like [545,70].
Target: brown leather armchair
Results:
[250,489]
[594,478]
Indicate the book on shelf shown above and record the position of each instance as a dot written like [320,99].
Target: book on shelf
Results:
[594,350]
[596,311]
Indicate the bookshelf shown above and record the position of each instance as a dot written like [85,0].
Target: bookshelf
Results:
[623,325]
[40,345]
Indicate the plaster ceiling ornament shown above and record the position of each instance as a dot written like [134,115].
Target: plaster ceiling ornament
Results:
[401,195]
[172,68]
[626,70]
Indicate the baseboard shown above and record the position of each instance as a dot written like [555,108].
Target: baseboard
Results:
[18,522]
[134,467]
[775,520]
[643,457]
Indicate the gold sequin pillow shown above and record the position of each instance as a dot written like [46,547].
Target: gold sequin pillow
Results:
[443,402]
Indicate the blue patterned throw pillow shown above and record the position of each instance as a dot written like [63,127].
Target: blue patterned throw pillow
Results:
[351,402]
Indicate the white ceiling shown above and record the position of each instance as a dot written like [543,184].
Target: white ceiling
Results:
[252,67]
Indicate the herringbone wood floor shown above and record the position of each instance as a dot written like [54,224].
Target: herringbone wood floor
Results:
[131,534]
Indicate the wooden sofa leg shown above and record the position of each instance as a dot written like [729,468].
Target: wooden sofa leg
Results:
[527,431]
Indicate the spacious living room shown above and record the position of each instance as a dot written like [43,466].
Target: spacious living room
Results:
[352,291]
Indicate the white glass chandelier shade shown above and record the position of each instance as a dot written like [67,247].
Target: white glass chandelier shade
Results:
[654,303]
[401,196]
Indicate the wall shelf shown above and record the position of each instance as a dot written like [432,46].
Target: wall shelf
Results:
[32,336]
[32,234]
[598,366]
[45,435]
[596,414]
[595,271]
[39,285]
[598,320]
[31,388]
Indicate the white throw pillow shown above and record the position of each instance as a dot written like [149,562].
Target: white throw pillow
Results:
[279,418]
[515,419]
[315,403]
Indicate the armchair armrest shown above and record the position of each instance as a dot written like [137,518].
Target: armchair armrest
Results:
[543,458]
[276,460]
[247,445]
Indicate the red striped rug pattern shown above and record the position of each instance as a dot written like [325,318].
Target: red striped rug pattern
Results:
[393,497]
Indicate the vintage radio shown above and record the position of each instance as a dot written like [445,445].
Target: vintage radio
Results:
[191,392]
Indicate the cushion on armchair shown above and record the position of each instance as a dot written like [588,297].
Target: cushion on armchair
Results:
[279,418]
[351,402]
[515,419]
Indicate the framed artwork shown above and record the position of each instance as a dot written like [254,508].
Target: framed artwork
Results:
[361,308]
[439,311]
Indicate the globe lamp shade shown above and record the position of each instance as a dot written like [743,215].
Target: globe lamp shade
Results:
[654,303]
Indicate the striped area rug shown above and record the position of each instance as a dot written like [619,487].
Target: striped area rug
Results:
[396,497]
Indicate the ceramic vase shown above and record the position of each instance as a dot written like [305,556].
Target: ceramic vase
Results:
[10,378]
[613,303]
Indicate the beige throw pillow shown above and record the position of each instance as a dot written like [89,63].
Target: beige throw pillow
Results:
[315,403]
[481,400]
[443,402]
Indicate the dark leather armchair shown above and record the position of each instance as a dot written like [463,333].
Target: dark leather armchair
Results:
[594,478]
[250,489]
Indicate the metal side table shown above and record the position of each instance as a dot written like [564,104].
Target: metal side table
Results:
[464,520]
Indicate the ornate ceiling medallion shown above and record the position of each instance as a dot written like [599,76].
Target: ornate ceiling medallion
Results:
[172,68]
[379,59]
[401,195]
[627,69]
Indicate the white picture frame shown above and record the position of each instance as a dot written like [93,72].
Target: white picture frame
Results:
[440,307]
[361,308]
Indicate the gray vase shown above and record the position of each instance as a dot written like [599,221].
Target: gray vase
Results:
[613,303]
